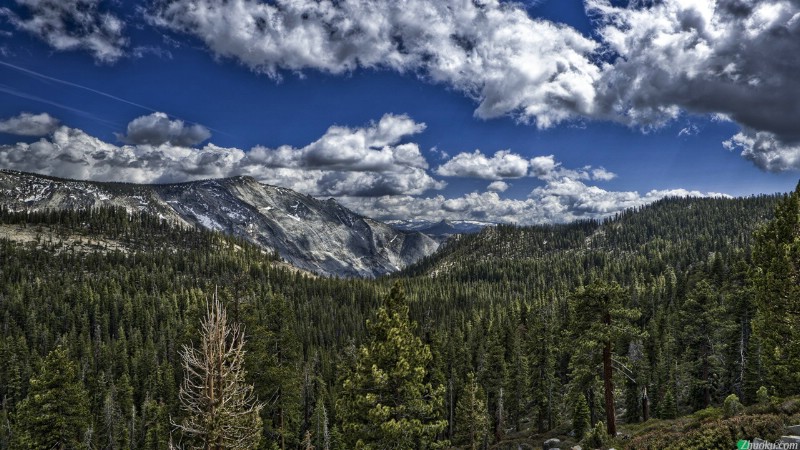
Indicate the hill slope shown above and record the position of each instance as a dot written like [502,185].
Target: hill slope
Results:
[320,236]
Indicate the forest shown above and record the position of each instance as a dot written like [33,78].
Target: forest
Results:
[603,333]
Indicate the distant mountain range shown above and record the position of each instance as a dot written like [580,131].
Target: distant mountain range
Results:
[442,228]
[320,236]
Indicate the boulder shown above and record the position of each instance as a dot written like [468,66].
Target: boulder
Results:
[790,440]
[551,443]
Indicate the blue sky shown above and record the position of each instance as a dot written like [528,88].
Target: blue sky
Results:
[657,135]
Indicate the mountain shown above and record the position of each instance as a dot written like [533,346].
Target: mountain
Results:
[320,236]
[443,228]
[678,230]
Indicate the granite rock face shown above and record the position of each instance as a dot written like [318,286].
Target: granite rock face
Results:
[320,236]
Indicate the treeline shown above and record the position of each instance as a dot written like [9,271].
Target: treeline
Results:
[506,328]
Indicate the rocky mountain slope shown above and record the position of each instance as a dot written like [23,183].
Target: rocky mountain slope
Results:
[320,236]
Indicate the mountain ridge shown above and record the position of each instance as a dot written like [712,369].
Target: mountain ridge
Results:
[321,236]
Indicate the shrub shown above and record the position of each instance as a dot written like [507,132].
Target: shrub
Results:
[762,396]
[598,437]
[732,406]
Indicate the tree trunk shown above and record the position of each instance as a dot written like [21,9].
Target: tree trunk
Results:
[645,406]
[608,384]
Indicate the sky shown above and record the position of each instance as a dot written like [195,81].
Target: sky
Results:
[497,111]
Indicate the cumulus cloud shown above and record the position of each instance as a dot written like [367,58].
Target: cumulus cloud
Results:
[728,58]
[558,201]
[766,150]
[157,129]
[497,186]
[385,165]
[72,25]
[492,51]
[503,164]
[378,173]
[601,174]
[376,147]
[27,124]
[648,63]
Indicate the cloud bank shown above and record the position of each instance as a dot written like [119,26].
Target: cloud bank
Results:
[373,169]
[366,161]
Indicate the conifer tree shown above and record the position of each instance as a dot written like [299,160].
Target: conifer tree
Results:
[387,401]
[777,258]
[472,418]
[580,416]
[701,326]
[602,319]
[221,410]
[55,414]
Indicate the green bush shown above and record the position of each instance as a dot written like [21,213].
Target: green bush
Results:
[762,396]
[598,437]
[732,406]
[715,434]
[708,413]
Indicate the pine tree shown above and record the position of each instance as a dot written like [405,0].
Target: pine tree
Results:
[701,326]
[472,417]
[221,410]
[777,258]
[387,401]
[667,407]
[55,414]
[580,416]
[602,319]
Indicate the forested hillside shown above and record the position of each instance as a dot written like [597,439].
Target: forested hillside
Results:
[498,339]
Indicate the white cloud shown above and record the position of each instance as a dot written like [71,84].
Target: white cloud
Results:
[560,200]
[376,147]
[766,150]
[649,63]
[564,197]
[72,25]
[385,166]
[543,166]
[497,186]
[727,58]
[503,164]
[690,130]
[601,174]
[157,129]
[27,124]
[490,50]
[386,180]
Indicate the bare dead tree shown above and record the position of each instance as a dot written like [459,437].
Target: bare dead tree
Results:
[221,410]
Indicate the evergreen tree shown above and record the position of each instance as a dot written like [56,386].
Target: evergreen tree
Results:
[602,319]
[777,279]
[221,410]
[55,414]
[702,322]
[274,368]
[472,417]
[580,416]
[668,409]
[387,401]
